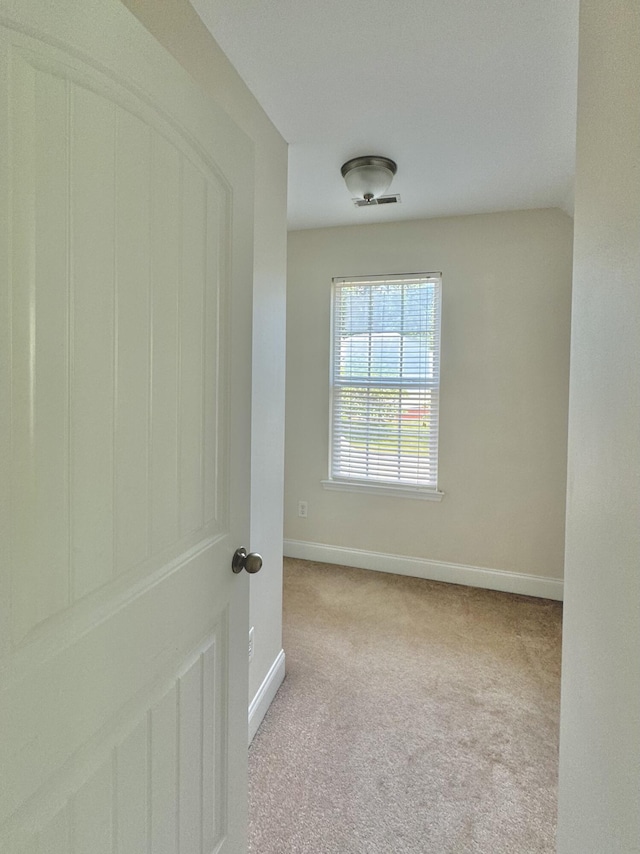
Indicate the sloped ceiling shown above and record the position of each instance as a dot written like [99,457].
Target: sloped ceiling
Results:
[474,99]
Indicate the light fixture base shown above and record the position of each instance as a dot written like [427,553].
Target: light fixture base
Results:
[369,160]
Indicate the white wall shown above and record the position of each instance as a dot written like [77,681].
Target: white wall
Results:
[599,803]
[503,423]
[177,26]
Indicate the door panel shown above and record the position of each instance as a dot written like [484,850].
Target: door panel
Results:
[133,322]
[143,788]
[123,701]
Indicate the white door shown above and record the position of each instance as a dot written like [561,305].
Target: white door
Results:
[126,261]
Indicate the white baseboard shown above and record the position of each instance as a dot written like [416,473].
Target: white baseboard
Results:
[266,692]
[434,570]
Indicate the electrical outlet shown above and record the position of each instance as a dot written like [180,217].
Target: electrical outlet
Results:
[302,509]
[251,643]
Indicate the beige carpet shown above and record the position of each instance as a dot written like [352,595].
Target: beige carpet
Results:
[415,717]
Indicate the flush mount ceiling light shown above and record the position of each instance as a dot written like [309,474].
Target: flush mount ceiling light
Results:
[368,177]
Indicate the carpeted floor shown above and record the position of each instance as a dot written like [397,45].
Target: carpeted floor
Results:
[415,718]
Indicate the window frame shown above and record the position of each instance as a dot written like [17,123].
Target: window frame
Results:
[365,484]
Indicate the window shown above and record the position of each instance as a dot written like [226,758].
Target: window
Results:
[385,372]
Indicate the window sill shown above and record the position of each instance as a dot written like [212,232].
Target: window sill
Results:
[383,489]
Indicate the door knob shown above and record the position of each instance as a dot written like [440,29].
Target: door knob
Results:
[252,562]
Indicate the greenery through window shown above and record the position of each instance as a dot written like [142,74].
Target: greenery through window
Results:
[385,377]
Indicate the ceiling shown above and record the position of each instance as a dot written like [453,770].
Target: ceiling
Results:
[474,99]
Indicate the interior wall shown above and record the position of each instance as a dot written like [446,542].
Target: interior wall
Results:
[177,26]
[504,393]
[600,713]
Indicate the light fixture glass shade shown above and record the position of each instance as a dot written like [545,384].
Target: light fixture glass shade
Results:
[368,177]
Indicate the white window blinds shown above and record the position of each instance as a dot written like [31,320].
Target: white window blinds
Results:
[385,374]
